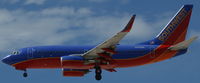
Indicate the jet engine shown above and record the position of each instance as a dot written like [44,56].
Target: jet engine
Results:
[72,62]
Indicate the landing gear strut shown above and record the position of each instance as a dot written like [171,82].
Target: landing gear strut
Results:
[98,72]
[25,74]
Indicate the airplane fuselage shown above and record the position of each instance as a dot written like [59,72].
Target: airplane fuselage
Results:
[126,56]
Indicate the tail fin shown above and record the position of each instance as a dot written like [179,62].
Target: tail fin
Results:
[175,31]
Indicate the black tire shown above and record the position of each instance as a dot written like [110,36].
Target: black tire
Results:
[98,71]
[25,75]
[98,77]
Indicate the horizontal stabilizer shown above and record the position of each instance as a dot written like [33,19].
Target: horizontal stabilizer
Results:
[183,44]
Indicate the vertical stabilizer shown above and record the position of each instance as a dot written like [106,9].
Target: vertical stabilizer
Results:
[176,30]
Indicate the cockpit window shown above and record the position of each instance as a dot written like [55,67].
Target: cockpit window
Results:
[15,52]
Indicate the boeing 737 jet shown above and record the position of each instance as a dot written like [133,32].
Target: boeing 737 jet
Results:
[77,61]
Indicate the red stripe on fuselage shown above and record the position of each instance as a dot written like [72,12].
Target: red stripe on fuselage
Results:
[146,59]
[39,63]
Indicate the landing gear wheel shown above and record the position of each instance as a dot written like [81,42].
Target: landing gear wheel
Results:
[97,69]
[98,72]
[98,76]
[25,75]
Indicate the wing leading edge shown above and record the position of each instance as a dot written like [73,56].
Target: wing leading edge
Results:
[107,48]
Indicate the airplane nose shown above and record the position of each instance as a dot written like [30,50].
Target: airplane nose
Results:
[6,59]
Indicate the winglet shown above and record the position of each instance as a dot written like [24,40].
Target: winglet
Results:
[129,25]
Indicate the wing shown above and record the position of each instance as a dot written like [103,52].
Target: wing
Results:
[108,47]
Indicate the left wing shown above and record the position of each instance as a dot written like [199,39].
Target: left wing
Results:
[107,48]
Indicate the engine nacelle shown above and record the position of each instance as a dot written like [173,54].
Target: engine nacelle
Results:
[74,72]
[72,62]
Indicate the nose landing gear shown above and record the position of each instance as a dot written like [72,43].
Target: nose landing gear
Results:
[25,74]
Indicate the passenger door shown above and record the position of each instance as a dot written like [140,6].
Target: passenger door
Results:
[29,53]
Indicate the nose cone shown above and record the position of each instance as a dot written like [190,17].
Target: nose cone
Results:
[6,60]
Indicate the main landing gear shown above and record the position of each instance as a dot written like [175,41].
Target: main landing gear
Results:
[25,74]
[98,72]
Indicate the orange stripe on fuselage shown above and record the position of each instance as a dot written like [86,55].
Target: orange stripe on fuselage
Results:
[146,59]
[166,55]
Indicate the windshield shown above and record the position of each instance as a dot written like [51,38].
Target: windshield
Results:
[15,52]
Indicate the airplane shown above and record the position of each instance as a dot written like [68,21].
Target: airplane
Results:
[77,61]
